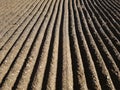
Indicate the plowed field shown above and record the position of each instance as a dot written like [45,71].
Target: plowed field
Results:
[59,44]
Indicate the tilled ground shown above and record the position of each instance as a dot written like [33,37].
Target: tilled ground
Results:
[60,44]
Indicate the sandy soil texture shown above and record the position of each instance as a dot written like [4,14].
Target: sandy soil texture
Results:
[59,44]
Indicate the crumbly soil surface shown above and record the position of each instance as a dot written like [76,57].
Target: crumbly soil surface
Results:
[59,44]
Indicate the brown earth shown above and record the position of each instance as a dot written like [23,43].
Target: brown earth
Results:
[59,44]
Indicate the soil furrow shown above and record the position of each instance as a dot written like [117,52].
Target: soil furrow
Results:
[50,82]
[11,23]
[59,44]
[8,46]
[43,55]
[114,4]
[77,64]
[67,74]
[7,11]
[109,6]
[106,16]
[90,72]
[112,49]
[104,52]
[13,30]
[110,9]
[98,60]
[12,16]
[19,42]
[18,61]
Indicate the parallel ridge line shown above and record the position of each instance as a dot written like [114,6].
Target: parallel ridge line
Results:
[60,45]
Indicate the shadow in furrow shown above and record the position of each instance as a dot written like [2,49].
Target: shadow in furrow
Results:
[47,70]
[60,53]
[73,56]
[15,58]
